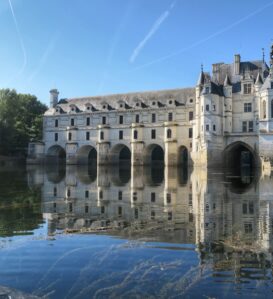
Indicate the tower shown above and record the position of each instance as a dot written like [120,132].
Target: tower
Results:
[53,97]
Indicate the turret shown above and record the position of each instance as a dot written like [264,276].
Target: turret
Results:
[53,97]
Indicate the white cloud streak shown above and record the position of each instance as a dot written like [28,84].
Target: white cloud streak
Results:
[202,41]
[20,40]
[151,32]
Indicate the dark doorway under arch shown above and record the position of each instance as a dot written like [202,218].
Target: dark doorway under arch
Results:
[56,154]
[120,153]
[239,156]
[154,155]
[183,156]
[87,155]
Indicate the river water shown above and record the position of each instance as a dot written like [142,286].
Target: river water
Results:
[119,232]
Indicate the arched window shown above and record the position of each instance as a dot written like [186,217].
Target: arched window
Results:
[271,108]
[264,109]
[169,133]
[135,134]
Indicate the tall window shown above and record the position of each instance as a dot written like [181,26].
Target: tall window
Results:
[121,119]
[120,195]
[169,197]
[191,115]
[101,135]
[103,120]
[56,137]
[137,118]
[87,135]
[153,118]
[190,132]
[56,123]
[247,88]
[207,128]
[135,134]
[69,136]
[120,135]
[72,122]
[170,116]
[88,121]
[244,126]
[214,128]
[207,107]
[169,133]
[153,134]
[153,197]
[264,109]
[247,107]
[250,126]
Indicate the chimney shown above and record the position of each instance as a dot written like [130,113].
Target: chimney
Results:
[53,97]
[237,61]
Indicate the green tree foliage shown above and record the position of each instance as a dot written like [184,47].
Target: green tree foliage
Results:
[20,121]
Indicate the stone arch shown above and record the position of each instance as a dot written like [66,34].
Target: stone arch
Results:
[239,155]
[153,154]
[87,155]
[120,153]
[183,156]
[56,154]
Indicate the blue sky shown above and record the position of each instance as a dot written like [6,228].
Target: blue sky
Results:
[92,47]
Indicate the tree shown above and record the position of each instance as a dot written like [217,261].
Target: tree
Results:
[20,121]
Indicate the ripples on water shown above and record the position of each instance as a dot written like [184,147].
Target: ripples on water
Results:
[120,232]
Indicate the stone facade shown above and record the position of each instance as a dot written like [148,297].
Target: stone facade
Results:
[226,118]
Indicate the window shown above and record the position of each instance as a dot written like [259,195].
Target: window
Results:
[190,132]
[207,89]
[214,128]
[68,193]
[134,196]
[191,100]
[121,119]
[250,126]
[207,107]
[102,210]
[86,193]
[169,197]
[87,135]
[207,128]
[170,116]
[56,137]
[264,109]
[248,227]
[213,107]
[69,136]
[72,122]
[169,133]
[136,213]
[153,118]
[247,107]
[135,134]
[86,209]
[119,211]
[101,135]
[70,207]
[137,118]
[244,126]
[153,197]
[191,115]
[103,120]
[247,88]
[153,134]
[170,215]
[55,191]
[88,121]
[120,135]
[56,123]
[101,194]
[120,195]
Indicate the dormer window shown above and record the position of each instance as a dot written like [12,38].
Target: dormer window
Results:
[137,104]
[88,108]
[191,100]
[170,102]
[121,106]
[247,88]
[153,103]
[104,106]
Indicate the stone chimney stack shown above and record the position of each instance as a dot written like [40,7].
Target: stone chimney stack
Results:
[237,61]
[53,97]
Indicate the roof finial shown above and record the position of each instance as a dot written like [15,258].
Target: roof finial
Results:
[263,54]
[202,67]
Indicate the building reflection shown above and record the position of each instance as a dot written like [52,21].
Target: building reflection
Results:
[214,210]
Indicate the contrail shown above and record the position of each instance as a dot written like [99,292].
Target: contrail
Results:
[20,39]
[152,31]
[197,43]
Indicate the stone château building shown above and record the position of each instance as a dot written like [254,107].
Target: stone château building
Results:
[226,118]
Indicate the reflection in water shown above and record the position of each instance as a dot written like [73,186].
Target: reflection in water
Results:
[227,218]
